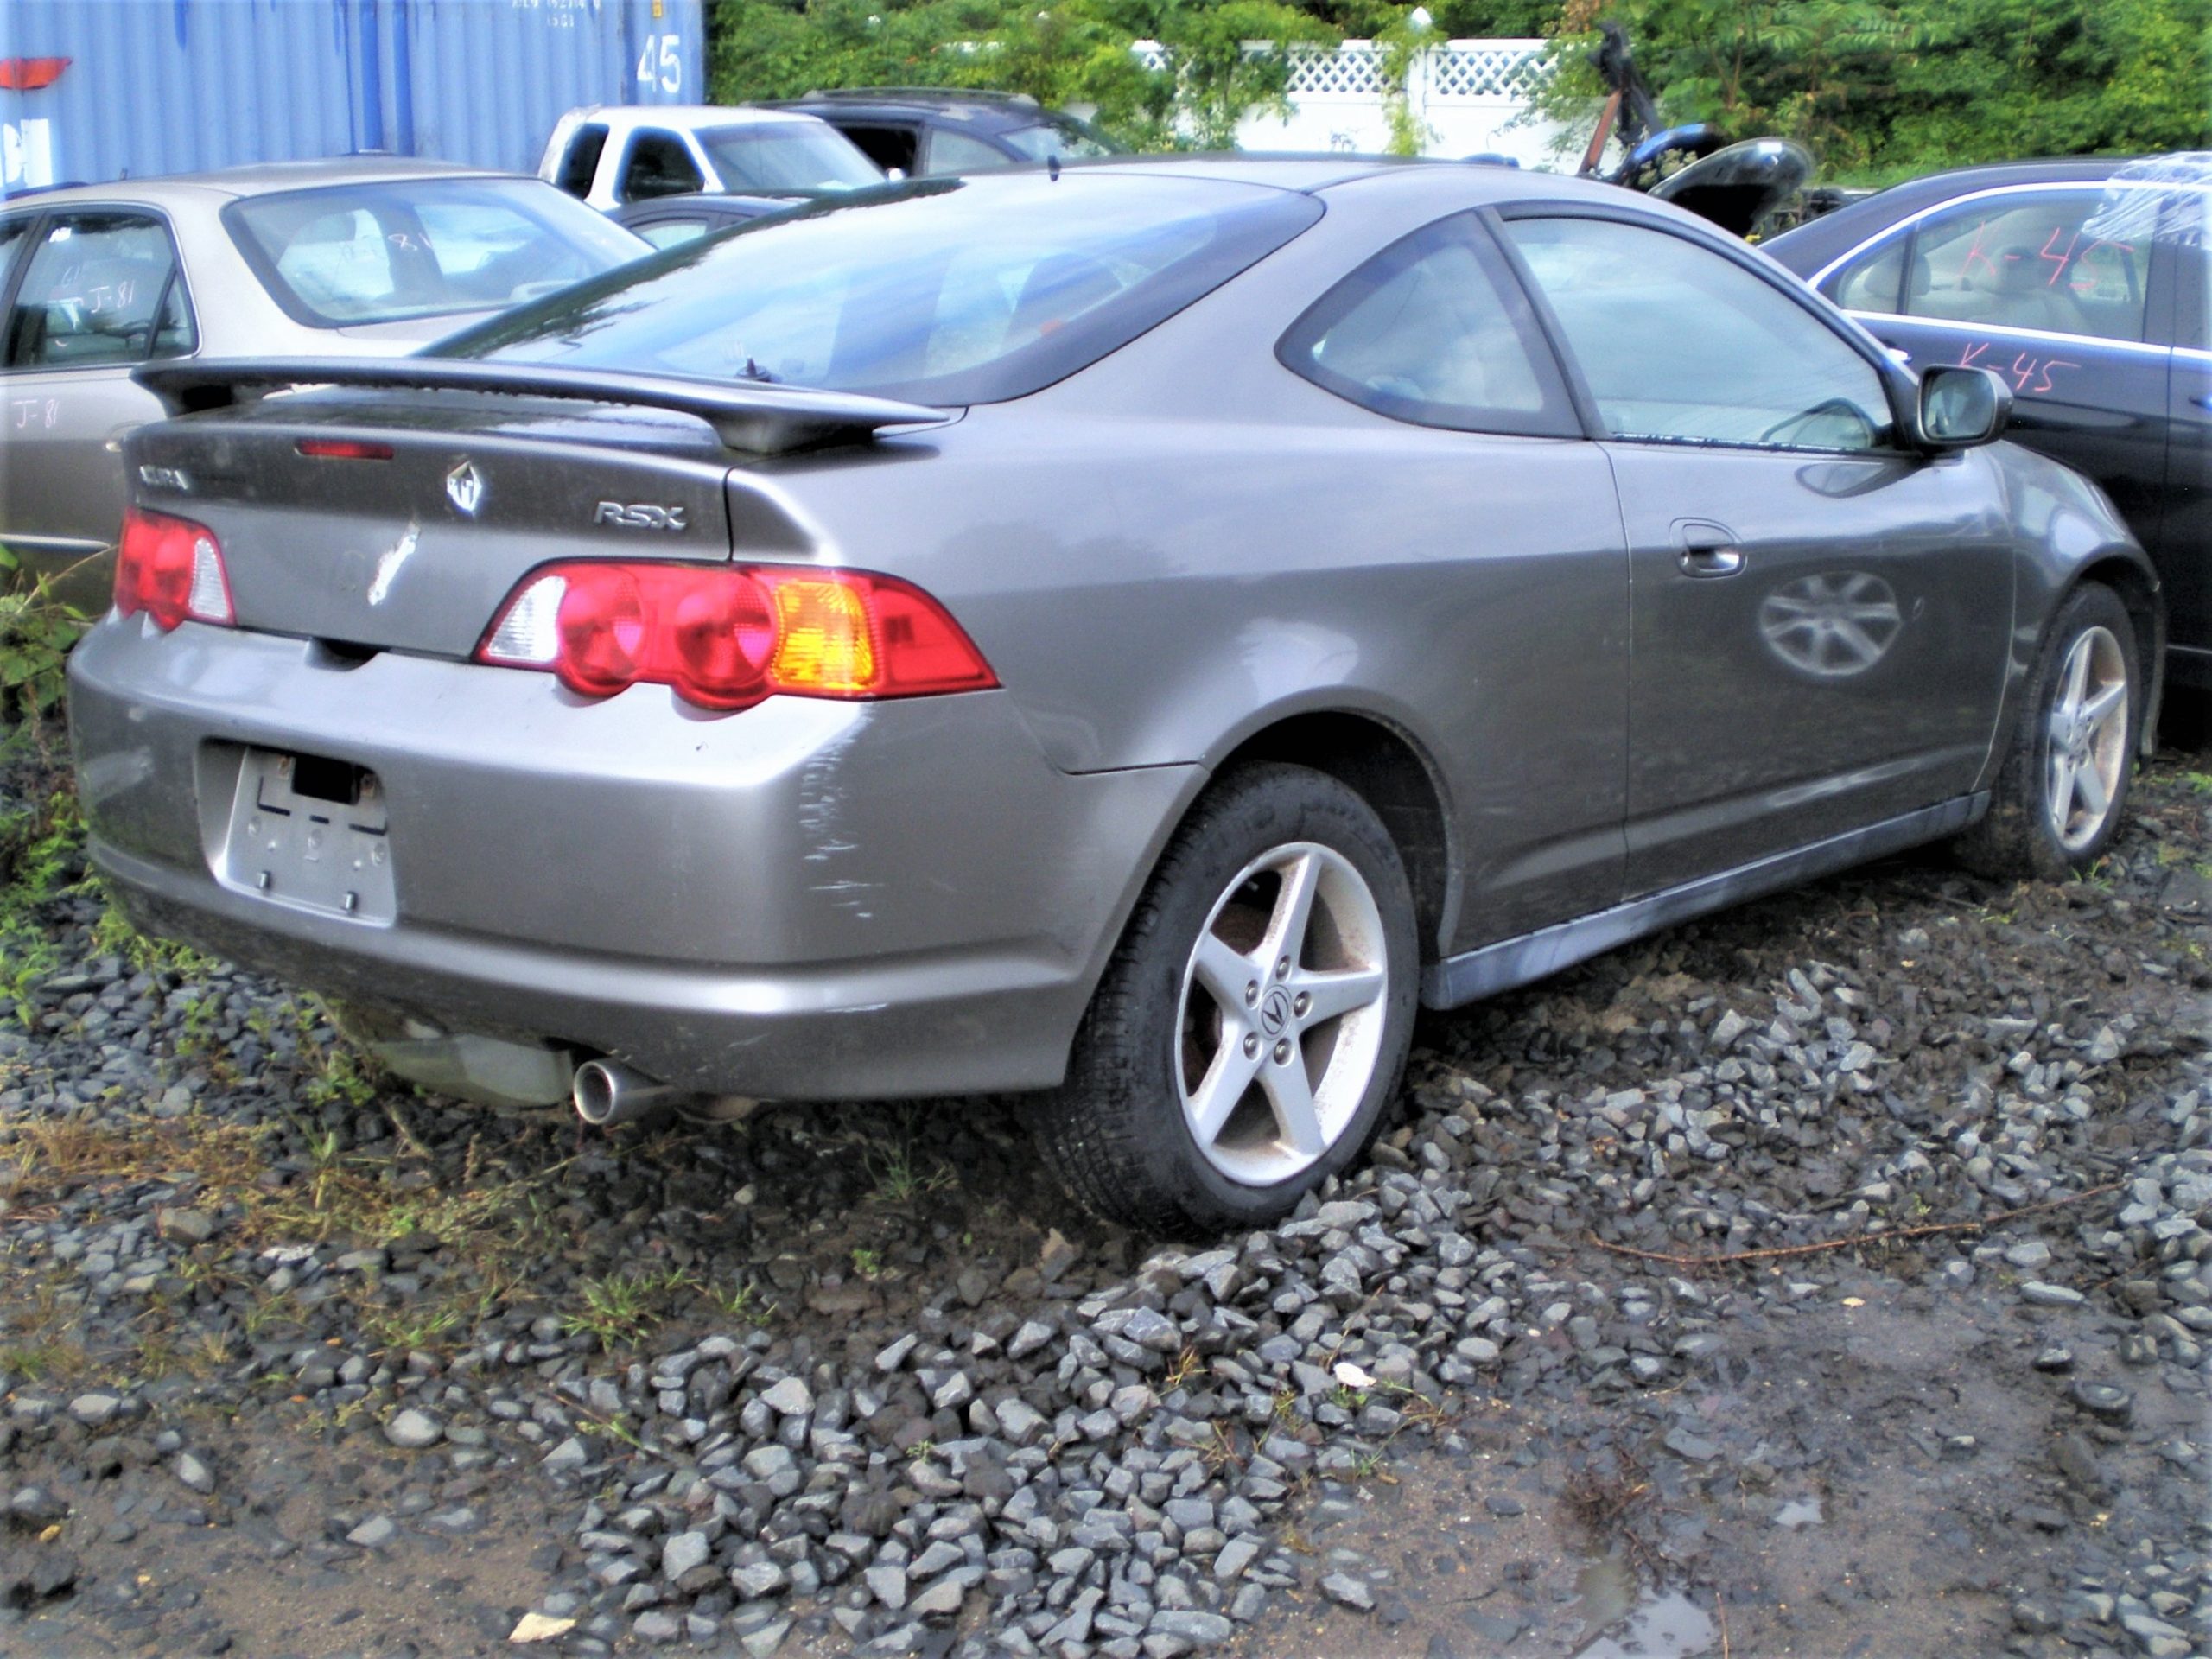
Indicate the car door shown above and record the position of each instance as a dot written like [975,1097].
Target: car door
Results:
[1820,620]
[2184,549]
[1510,559]
[2024,279]
[97,292]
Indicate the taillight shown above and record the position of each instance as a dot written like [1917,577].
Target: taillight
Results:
[172,569]
[726,636]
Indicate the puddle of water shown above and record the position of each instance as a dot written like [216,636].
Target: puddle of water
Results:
[1799,1512]
[1658,1625]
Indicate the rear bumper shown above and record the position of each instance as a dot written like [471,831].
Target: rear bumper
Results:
[806,900]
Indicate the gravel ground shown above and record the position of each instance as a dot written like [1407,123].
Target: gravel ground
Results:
[1829,1277]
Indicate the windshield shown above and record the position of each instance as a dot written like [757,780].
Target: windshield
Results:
[943,291]
[788,156]
[1064,139]
[401,248]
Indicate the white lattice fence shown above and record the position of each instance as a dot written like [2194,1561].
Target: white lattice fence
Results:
[1468,97]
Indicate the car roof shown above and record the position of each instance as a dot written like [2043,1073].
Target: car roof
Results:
[258,179]
[986,111]
[689,118]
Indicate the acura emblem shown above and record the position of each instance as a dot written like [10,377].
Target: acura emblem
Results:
[465,488]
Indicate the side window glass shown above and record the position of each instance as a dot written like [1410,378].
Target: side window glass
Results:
[955,152]
[658,165]
[1870,283]
[672,232]
[1681,345]
[1434,330]
[580,165]
[93,293]
[2028,261]
[887,147]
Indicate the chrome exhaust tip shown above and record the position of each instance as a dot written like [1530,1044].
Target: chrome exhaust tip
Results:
[607,1092]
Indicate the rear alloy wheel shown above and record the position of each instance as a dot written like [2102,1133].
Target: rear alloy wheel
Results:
[2059,797]
[1248,1034]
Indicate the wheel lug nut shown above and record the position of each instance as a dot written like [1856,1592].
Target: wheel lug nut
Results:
[1252,994]
[1300,1004]
[1283,968]
[1283,1052]
[1251,1045]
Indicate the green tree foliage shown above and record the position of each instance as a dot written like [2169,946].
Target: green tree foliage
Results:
[1880,88]
[1062,53]
[1885,88]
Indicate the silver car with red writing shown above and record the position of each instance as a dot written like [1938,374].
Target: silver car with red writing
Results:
[1125,634]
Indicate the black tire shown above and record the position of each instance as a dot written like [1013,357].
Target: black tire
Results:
[1116,1131]
[2017,839]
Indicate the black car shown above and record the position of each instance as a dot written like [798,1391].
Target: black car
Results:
[2087,285]
[920,130]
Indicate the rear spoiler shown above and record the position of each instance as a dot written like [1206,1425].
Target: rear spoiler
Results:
[759,419]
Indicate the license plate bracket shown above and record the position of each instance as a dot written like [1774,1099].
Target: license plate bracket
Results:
[309,831]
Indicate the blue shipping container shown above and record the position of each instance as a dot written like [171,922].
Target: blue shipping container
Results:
[93,90]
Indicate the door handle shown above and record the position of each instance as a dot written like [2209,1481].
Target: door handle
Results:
[2202,400]
[1710,561]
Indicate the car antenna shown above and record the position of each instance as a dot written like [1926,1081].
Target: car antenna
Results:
[1052,166]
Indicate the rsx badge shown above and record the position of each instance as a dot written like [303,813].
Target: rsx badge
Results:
[642,515]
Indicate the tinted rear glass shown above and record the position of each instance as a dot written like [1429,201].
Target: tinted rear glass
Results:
[787,155]
[400,248]
[943,291]
[1062,138]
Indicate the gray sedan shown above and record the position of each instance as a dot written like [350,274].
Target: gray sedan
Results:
[375,257]
[1126,633]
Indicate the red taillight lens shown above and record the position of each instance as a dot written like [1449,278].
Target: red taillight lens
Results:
[342,449]
[726,636]
[171,570]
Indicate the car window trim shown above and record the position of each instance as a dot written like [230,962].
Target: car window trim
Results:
[11,280]
[2033,187]
[43,221]
[1543,352]
[1887,372]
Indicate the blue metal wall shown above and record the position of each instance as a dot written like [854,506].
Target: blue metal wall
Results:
[180,85]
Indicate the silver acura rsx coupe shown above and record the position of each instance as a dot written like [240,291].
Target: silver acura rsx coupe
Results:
[1123,632]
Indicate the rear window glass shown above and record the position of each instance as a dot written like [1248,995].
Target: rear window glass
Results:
[787,155]
[943,291]
[1064,139]
[388,251]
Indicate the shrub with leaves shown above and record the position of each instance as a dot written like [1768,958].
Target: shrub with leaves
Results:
[37,631]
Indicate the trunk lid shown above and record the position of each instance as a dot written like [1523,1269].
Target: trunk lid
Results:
[414,549]
[475,474]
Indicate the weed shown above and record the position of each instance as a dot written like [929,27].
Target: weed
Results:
[868,1263]
[404,1329]
[1180,1373]
[37,631]
[743,1303]
[898,1181]
[2197,783]
[622,1308]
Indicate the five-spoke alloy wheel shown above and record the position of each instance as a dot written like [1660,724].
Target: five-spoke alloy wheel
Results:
[2063,788]
[1248,1036]
[1283,1006]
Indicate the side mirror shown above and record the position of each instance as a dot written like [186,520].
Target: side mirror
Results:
[1963,407]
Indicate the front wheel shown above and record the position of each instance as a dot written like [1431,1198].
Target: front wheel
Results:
[2061,792]
[1248,1037]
